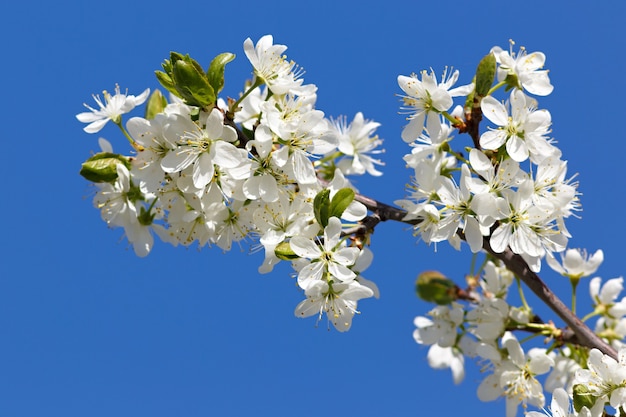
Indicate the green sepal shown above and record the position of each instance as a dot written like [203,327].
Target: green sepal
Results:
[156,104]
[215,73]
[102,167]
[340,202]
[485,75]
[192,84]
[283,251]
[321,207]
[145,218]
[583,397]
[434,287]
[512,81]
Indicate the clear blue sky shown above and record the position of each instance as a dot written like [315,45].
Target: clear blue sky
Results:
[89,329]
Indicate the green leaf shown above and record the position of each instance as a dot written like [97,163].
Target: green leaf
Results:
[340,202]
[583,397]
[174,57]
[195,64]
[192,85]
[321,207]
[167,65]
[165,78]
[485,74]
[156,104]
[434,287]
[102,167]
[215,74]
[185,78]
[167,82]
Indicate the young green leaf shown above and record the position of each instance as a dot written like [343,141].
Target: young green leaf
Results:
[192,84]
[166,78]
[340,202]
[215,74]
[485,74]
[321,207]
[167,82]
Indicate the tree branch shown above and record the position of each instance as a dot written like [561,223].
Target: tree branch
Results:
[516,264]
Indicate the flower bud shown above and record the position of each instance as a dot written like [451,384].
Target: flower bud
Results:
[155,105]
[102,167]
[283,251]
[434,287]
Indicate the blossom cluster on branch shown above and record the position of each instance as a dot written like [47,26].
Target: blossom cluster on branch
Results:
[270,169]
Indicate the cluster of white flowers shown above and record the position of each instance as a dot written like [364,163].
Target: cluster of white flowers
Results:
[511,190]
[493,196]
[271,170]
[194,180]
[482,330]
[611,324]
[601,382]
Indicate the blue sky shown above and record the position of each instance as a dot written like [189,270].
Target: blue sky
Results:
[89,329]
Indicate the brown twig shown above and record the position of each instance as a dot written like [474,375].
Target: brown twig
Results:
[515,263]
[582,334]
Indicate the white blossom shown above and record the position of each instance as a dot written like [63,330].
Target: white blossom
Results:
[527,68]
[110,109]
[337,300]
[605,378]
[425,99]
[329,255]
[357,142]
[523,131]
[576,263]
[202,148]
[514,377]
[271,65]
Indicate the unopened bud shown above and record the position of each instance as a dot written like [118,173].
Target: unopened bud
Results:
[434,287]
[283,251]
[156,104]
[102,167]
